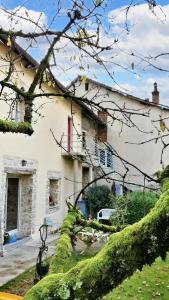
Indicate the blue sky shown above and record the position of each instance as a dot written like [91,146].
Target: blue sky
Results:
[148,36]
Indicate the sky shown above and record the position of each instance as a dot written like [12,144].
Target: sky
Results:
[148,36]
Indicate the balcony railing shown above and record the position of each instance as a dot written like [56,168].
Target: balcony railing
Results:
[87,147]
[72,145]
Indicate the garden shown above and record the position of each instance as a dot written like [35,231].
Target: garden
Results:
[135,236]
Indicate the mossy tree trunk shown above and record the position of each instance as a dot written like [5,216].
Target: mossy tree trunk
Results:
[125,252]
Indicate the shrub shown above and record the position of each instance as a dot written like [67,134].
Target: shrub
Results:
[98,197]
[133,207]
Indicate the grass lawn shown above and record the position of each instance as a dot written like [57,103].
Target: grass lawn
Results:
[22,283]
[149,284]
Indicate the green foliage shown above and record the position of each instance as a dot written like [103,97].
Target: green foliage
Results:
[124,253]
[133,207]
[97,197]
[17,127]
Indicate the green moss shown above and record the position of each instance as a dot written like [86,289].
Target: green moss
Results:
[125,252]
[99,226]
[63,245]
[17,127]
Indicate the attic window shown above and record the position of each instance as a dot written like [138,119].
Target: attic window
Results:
[86,86]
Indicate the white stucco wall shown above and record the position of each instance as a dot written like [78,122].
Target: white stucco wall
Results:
[40,148]
[147,156]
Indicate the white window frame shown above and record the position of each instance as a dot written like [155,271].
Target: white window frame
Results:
[106,159]
[16,113]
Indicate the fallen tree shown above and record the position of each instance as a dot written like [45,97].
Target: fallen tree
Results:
[125,252]
[67,238]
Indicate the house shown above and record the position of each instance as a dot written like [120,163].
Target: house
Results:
[137,129]
[41,170]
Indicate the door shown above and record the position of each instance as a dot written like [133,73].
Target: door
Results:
[69,146]
[12,204]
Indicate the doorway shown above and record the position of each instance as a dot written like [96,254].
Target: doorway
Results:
[12,204]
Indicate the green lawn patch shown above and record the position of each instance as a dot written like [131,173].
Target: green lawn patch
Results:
[149,284]
[22,283]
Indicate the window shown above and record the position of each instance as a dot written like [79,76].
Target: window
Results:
[84,139]
[18,109]
[54,192]
[109,159]
[96,146]
[86,86]
[105,157]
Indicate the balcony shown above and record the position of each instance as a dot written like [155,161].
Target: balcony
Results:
[88,148]
[72,146]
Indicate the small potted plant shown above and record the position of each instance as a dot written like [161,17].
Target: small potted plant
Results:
[6,238]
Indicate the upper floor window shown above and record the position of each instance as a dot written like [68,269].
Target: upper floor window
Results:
[84,139]
[86,85]
[102,157]
[18,109]
[96,151]
[105,158]
[109,159]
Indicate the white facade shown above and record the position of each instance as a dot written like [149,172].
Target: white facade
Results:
[30,166]
[38,176]
[130,121]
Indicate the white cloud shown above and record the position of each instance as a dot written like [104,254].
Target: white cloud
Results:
[148,33]
[27,21]
[148,36]
[23,19]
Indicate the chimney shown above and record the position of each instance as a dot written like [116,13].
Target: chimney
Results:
[155,95]
[102,129]
[103,116]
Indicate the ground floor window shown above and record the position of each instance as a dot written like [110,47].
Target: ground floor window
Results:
[54,192]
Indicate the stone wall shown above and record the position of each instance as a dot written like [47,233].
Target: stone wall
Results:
[26,171]
[26,185]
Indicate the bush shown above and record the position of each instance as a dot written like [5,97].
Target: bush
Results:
[98,197]
[133,207]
